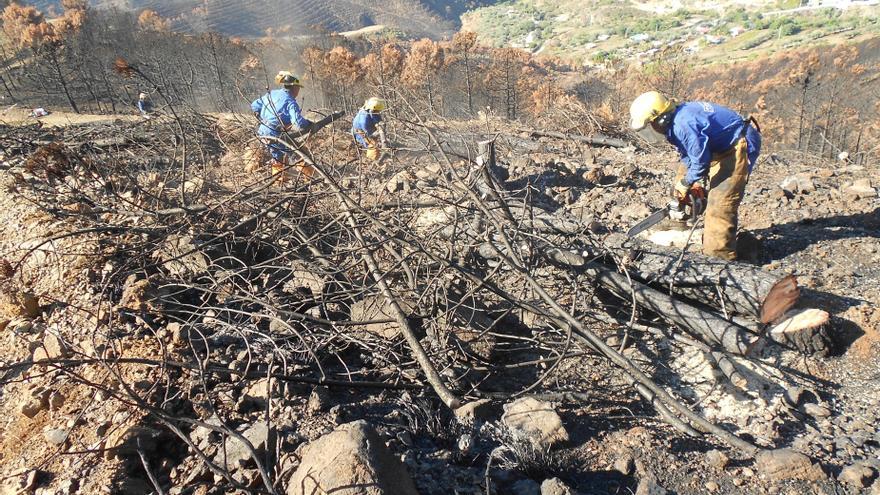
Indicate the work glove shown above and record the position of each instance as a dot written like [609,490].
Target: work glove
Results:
[693,195]
[681,189]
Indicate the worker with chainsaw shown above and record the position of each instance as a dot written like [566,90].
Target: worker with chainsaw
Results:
[366,130]
[279,113]
[718,149]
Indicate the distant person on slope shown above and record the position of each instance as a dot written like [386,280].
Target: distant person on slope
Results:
[279,113]
[145,106]
[718,149]
[366,130]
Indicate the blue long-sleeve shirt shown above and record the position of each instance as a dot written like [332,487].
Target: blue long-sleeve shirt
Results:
[365,123]
[145,107]
[278,110]
[700,129]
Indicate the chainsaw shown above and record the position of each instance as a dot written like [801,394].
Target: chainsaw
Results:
[687,208]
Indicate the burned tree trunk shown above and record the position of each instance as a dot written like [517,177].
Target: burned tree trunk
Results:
[734,288]
[711,327]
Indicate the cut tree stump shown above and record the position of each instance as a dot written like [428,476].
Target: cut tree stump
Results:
[805,330]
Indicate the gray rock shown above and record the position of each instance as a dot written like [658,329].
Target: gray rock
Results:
[648,485]
[202,436]
[785,464]
[237,453]
[555,486]
[319,400]
[859,475]
[816,410]
[536,420]
[860,189]
[799,183]
[375,308]
[56,436]
[717,459]
[350,460]
[181,256]
[525,487]
[400,182]
[625,465]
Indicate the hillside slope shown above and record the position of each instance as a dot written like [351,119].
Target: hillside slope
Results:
[433,18]
[613,30]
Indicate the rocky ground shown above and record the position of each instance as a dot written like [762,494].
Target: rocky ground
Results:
[225,409]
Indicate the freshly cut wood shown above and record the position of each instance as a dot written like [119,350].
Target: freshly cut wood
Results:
[805,330]
[735,288]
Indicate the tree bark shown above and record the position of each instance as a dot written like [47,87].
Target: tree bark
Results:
[711,327]
[598,139]
[735,288]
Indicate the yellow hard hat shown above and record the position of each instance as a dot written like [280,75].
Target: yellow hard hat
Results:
[287,79]
[375,104]
[647,107]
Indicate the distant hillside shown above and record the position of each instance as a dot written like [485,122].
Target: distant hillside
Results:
[594,31]
[251,18]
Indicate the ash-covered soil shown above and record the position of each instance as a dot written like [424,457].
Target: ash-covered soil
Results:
[139,382]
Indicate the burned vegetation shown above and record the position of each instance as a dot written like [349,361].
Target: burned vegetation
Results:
[439,323]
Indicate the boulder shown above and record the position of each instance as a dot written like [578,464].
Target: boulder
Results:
[800,183]
[786,464]
[648,485]
[237,454]
[350,460]
[55,347]
[860,189]
[400,182]
[859,475]
[181,256]
[537,420]
[717,459]
[555,486]
[375,308]
[55,436]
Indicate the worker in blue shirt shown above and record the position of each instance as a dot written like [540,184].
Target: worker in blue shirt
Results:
[145,106]
[718,149]
[366,130]
[279,113]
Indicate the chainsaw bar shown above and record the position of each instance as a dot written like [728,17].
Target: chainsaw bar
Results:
[655,218]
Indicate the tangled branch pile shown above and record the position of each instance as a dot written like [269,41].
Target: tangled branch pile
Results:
[215,293]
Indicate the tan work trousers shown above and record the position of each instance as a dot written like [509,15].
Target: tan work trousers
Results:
[728,174]
[373,153]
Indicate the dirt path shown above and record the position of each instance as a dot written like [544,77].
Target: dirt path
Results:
[22,116]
